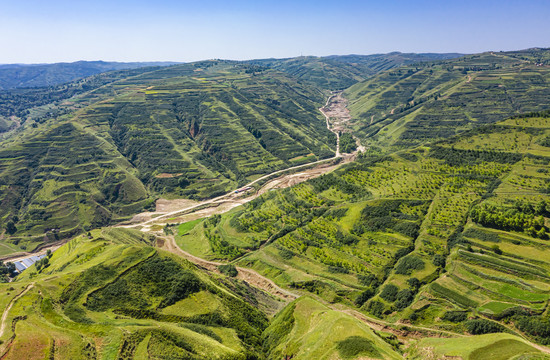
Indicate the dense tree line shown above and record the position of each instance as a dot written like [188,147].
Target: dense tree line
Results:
[523,217]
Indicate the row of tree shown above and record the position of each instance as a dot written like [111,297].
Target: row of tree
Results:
[511,219]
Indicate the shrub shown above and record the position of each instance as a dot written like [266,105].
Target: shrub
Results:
[439,260]
[408,264]
[368,280]
[286,254]
[414,283]
[389,292]
[535,326]
[363,297]
[338,270]
[483,326]
[496,249]
[354,346]
[455,316]
[228,270]
[404,298]
[376,308]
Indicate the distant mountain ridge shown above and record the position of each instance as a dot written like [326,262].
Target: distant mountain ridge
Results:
[40,75]
[337,72]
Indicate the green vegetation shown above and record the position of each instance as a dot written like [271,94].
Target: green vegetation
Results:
[114,299]
[340,72]
[439,229]
[397,235]
[33,76]
[422,102]
[306,329]
[118,140]
[347,143]
[491,346]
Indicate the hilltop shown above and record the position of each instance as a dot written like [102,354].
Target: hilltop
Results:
[419,103]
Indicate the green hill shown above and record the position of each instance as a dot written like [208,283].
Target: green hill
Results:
[340,72]
[41,75]
[423,102]
[306,329]
[434,243]
[113,296]
[450,236]
[193,131]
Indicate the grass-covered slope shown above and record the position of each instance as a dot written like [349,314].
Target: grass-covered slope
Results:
[451,236]
[417,103]
[491,346]
[197,130]
[307,329]
[115,297]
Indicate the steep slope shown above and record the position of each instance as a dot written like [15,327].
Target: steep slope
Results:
[41,75]
[307,329]
[113,296]
[449,236]
[414,104]
[194,131]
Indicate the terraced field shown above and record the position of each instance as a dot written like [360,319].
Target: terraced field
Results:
[423,102]
[399,236]
[432,244]
[193,131]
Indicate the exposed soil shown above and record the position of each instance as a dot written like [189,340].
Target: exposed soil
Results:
[167,175]
[250,276]
[181,210]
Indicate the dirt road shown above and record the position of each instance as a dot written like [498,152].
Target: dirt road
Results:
[8,308]
[337,118]
[250,276]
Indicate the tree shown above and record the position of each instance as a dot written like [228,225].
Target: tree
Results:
[12,270]
[364,296]
[10,227]
[439,260]
[414,283]
[389,292]
[404,298]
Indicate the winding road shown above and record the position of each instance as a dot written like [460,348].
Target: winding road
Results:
[232,199]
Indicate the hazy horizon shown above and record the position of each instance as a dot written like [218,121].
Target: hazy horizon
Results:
[181,31]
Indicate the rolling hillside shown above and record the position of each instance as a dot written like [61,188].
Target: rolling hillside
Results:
[450,236]
[423,102]
[432,252]
[114,296]
[193,131]
[340,72]
[42,75]
[432,244]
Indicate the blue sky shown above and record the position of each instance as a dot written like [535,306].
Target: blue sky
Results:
[34,31]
